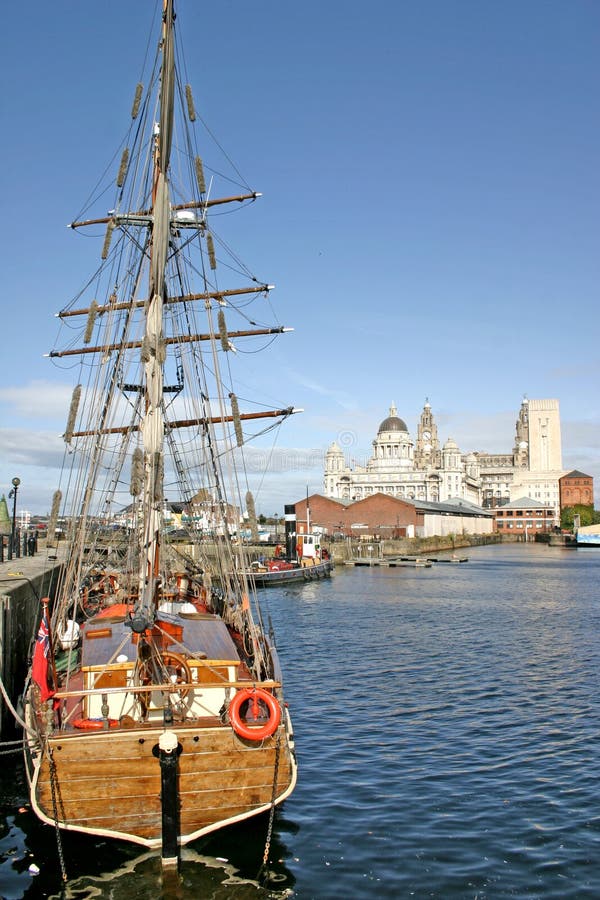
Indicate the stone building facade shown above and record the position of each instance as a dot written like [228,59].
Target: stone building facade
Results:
[426,470]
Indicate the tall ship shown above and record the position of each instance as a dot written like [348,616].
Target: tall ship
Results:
[154,705]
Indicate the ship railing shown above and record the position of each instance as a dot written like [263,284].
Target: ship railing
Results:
[168,687]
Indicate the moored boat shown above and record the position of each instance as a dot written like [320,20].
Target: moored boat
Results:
[304,558]
[276,571]
[154,705]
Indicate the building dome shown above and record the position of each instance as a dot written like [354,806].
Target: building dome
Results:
[392,423]
[450,444]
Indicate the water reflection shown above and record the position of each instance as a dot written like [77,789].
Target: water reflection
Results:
[224,865]
[198,876]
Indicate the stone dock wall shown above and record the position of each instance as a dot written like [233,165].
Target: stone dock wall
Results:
[23,583]
[350,549]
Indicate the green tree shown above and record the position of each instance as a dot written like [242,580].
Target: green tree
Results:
[587,516]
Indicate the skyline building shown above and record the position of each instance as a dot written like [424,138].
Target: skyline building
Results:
[427,470]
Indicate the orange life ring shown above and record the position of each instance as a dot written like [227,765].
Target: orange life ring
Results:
[255,696]
[94,724]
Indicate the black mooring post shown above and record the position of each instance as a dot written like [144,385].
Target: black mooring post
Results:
[290,530]
[168,750]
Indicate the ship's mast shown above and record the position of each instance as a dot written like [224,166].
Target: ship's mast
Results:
[153,345]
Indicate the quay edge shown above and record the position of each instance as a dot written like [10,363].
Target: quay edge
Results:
[23,582]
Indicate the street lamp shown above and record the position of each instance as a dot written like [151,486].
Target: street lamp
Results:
[15,483]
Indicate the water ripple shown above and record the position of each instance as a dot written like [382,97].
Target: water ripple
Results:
[448,724]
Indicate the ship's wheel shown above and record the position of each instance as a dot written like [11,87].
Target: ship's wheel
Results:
[163,668]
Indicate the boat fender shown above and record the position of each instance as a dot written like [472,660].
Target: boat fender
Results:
[255,696]
[94,724]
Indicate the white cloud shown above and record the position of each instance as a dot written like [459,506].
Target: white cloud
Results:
[22,447]
[38,399]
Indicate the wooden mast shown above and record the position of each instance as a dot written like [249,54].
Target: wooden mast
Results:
[182,339]
[138,304]
[205,204]
[153,345]
[198,422]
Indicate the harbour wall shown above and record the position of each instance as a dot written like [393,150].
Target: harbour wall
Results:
[23,583]
[350,549]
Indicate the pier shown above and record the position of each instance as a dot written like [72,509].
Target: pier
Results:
[393,562]
[23,582]
[390,562]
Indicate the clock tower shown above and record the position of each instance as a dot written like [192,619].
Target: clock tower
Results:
[521,448]
[427,447]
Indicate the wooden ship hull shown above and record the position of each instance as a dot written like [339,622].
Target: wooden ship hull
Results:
[96,765]
[109,784]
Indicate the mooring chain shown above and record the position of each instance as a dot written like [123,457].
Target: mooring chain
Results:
[54,790]
[272,810]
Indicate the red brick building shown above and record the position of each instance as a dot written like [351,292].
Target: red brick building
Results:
[378,515]
[526,517]
[576,489]
[383,517]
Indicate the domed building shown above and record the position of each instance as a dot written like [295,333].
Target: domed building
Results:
[402,468]
[393,446]
[424,471]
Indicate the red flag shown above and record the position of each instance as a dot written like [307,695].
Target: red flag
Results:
[39,668]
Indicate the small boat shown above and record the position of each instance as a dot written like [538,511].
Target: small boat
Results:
[304,559]
[277,571]
[154,704]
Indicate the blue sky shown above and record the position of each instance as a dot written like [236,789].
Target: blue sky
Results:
[430,212]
